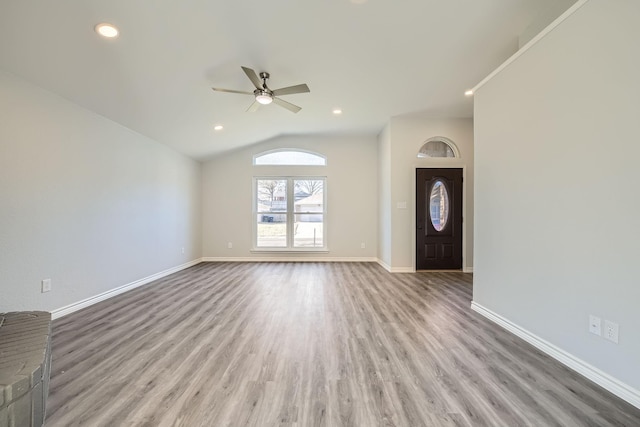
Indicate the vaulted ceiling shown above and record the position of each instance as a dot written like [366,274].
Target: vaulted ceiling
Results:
[374,59]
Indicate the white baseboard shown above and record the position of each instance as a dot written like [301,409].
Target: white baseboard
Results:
[55,314]
[402,270]
[394,269]
[384,265]
[603,379]
[288,259]
[411,269]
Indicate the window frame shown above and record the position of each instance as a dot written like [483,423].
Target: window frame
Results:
[447,141]
[289,215]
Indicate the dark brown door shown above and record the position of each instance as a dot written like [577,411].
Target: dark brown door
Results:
[439,219]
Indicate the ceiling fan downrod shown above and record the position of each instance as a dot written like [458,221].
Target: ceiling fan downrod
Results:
[264,76]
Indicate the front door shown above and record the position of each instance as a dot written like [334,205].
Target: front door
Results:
[438,219]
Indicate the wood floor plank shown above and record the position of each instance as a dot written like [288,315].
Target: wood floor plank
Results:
[309,344]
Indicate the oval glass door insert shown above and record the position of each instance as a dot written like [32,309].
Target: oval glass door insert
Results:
[439,205]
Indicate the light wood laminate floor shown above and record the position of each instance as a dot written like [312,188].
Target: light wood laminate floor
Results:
[309,344]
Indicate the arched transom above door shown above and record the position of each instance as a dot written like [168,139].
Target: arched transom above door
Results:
[438,147]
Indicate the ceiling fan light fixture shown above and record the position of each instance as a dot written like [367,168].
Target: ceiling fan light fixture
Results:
[264,98]
[107,30]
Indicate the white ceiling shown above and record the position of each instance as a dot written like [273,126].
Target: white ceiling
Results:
[374,59]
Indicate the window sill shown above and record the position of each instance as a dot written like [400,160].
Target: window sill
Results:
[290,251]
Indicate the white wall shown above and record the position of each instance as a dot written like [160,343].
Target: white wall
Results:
[384,196]
[86,202]
[557,198]
[352,192]
[407,135]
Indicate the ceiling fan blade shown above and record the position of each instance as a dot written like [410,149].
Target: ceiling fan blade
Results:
[291,90]
[289,106]
[253,107]
[253,77]
[232,91]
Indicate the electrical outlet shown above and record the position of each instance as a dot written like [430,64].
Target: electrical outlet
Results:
[362,245]
[595,325]
[229,245]
[611,330]
[46,285]
[182,250]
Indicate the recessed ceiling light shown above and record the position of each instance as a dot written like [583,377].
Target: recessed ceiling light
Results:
[468,93]
[218,127]
[107,30]
[337,111]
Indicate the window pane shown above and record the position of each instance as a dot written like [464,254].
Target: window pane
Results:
[436,149]
[290,158]
[274,221]
[272,230]
[439,205]
[307,230]
[272,195]
[308,195]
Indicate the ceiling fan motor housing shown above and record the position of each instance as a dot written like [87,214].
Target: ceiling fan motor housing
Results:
[264,96]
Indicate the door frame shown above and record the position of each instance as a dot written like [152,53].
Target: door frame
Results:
[440,164]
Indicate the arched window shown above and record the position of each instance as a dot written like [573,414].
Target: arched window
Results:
[438,146]
[289,157]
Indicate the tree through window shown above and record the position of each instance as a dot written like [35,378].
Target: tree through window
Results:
[290,213]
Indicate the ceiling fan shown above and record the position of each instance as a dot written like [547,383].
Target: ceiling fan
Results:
[264,95]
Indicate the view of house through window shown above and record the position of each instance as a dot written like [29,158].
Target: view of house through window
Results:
[290,213]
